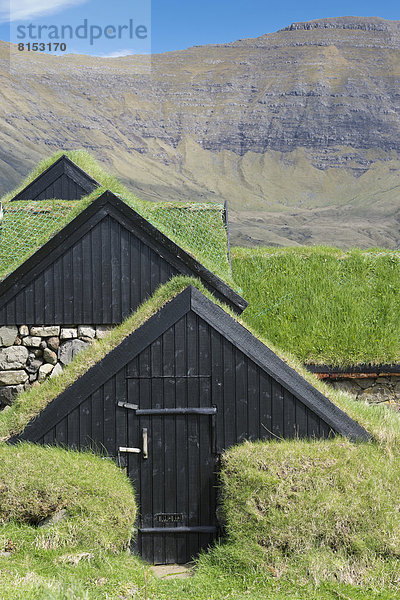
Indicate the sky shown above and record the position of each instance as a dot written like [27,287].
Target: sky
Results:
[144,26]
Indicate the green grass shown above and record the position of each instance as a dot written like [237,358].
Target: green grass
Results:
[36,482]
[317,511]
[304,520]
[198,228]
[323,305]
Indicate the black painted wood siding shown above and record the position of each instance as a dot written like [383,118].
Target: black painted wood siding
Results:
[250,404]
[63,180]
[63,188]
[100,279]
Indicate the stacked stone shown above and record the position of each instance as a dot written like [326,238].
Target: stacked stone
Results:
[29,355]
[375,390]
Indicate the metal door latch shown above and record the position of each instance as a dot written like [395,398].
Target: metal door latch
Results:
[131,450]
[128,405]
[145,443]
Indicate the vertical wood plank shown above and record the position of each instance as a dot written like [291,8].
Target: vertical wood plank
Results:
[135,271]
[98,421]
[126,307]
[145,281]
[182,469]
[116,275]
[58,286]
[97,274]
[277,408]
[325,430]
[301,419]
[312,424]
[240,395]
[121,414]
[159,442]
[68,288]
[217,396]
[289,425]
[253,400]
[229,394]
[61,432]
[265,406]
[109,416]
[49,437]
[73,429]
[106,292]
[77,284]
[39,299]
[154,271]
[29,304]
[11,312]
[85,423]
[145,467]
[48,317]
[87,280]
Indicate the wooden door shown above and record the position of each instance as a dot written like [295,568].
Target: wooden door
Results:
[173,468]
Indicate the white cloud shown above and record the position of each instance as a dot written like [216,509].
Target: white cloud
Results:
[22,10]
[118,53]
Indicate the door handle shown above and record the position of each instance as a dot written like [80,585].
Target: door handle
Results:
[145,443]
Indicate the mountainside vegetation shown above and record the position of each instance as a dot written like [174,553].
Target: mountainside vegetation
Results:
[298,129]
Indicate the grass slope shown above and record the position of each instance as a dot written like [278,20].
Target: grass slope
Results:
[322,304]
[198,228]
[321,511]
[307,520]
[37,482]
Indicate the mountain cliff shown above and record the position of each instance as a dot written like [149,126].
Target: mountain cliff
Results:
[299,129]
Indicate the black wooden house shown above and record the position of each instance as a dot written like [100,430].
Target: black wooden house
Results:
[98,269]
[169,399]
[63,180]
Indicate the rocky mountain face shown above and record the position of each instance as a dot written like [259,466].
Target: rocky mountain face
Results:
[299,130]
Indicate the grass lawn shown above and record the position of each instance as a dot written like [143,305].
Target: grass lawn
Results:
[323,305]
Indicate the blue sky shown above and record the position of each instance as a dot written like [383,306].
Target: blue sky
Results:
[171,24]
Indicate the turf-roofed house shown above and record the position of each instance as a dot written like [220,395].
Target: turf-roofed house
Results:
[169,389]
[72,270]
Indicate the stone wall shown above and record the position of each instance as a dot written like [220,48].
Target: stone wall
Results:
[28,355]
[377,389]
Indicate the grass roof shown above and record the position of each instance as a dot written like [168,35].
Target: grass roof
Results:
[384,424]
[198,228]
[324,305]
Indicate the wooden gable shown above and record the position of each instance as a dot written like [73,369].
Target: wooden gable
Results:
[99,269]
[63,180]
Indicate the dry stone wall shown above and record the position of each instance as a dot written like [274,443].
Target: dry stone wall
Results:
[29,355]
[376,390]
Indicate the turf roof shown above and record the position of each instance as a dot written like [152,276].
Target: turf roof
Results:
[197,228]
[382,423]
[324,305]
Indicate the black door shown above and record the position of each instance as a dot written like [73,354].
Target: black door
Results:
[172,461]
